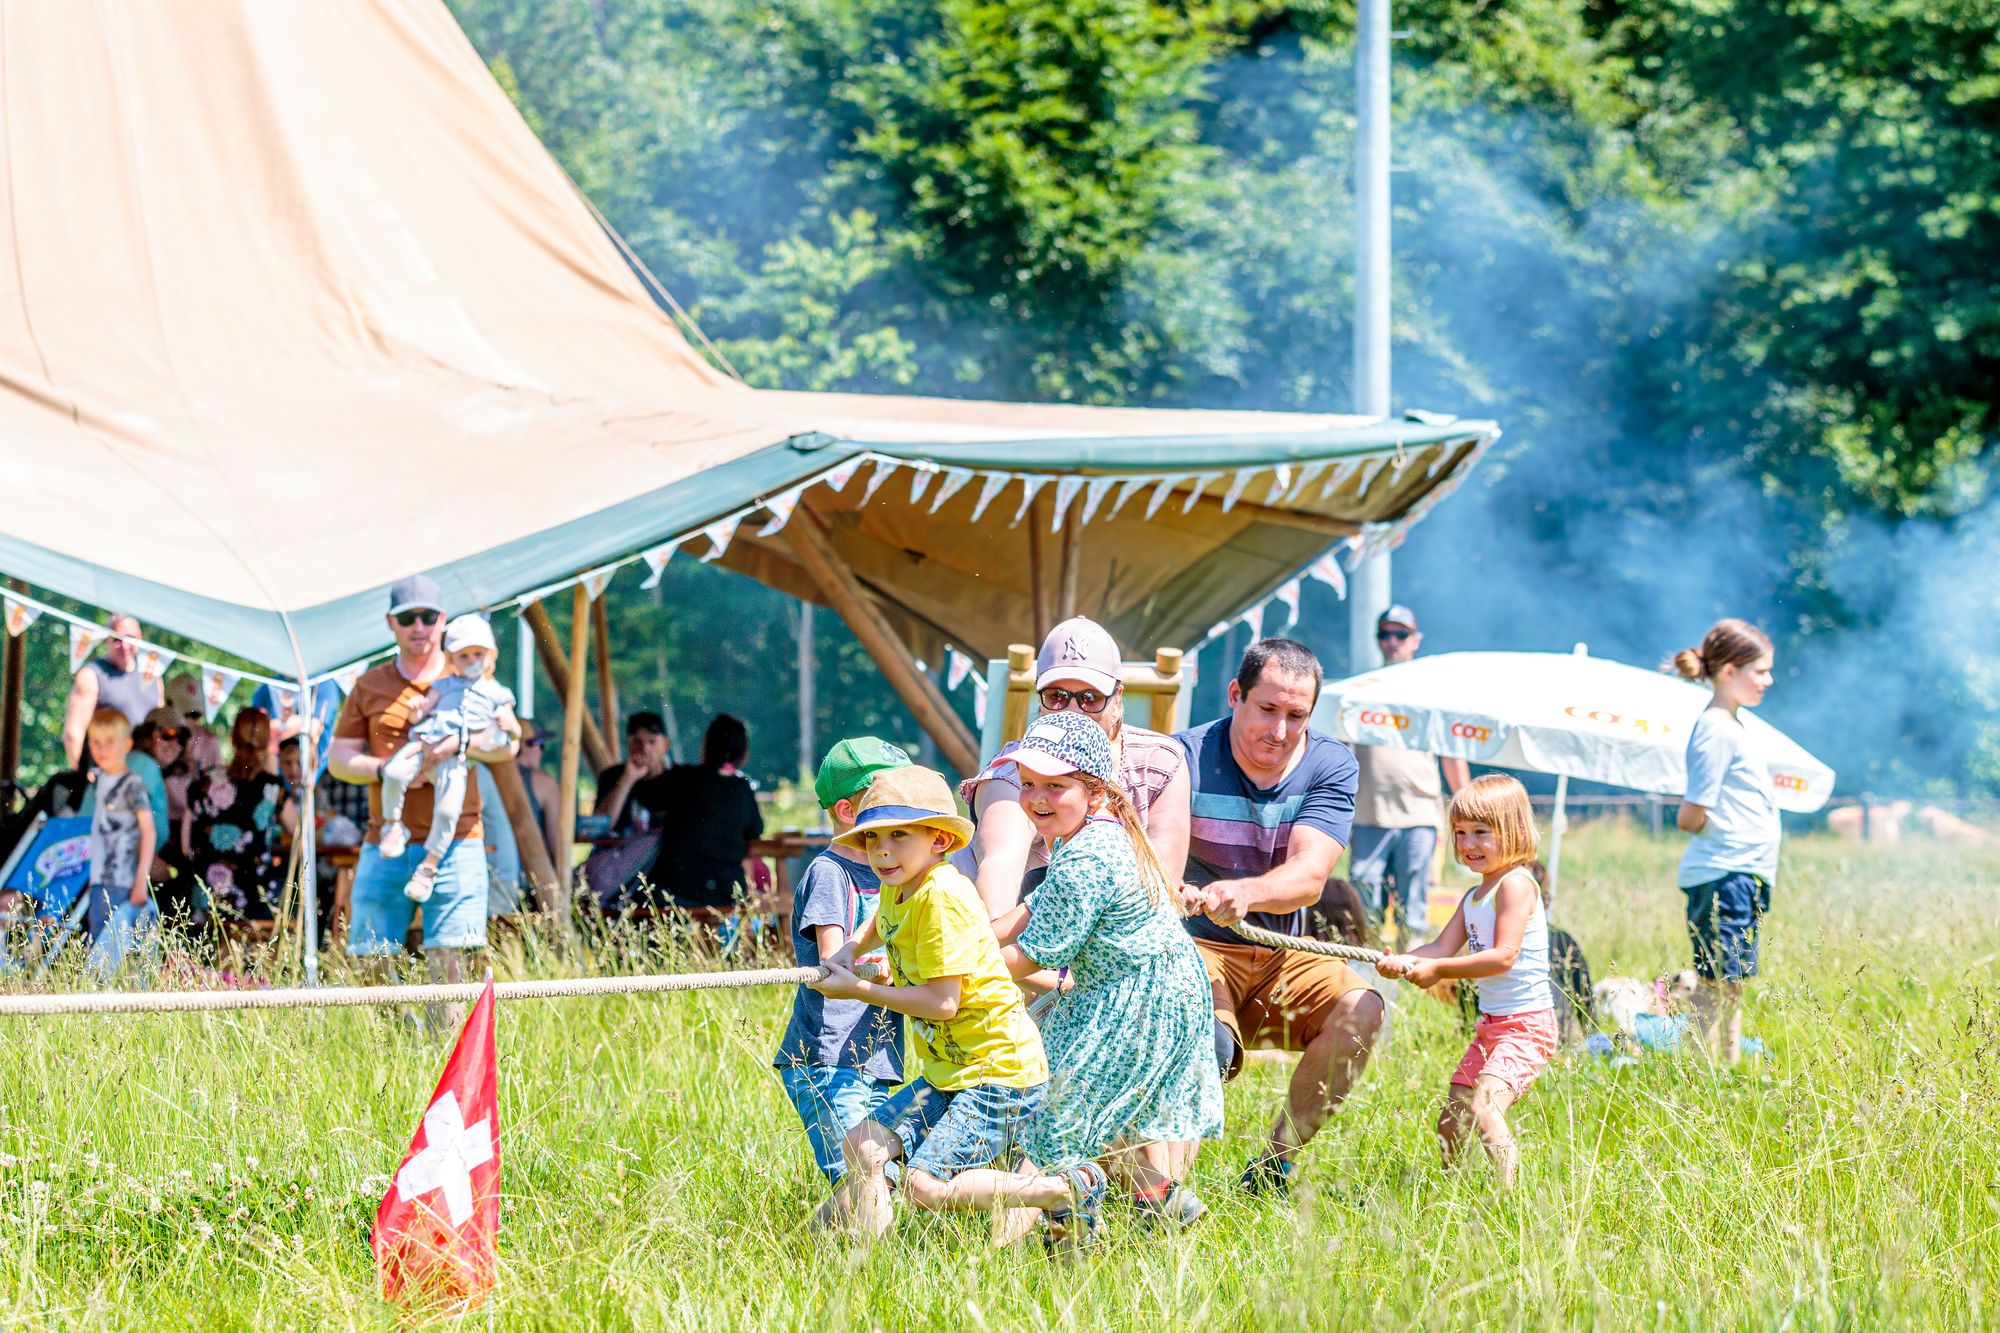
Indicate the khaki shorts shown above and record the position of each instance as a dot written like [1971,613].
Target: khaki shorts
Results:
[1274,997]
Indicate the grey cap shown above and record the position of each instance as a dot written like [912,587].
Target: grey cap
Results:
[1397,615]
[419,592]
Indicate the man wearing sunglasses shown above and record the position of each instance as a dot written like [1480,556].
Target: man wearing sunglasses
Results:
[1398,803]
[109,680]
[1079,670]
[373,725]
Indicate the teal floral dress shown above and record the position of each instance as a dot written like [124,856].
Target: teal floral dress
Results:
[1132,1046]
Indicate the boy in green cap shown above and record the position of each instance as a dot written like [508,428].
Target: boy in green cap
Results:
[839,1058]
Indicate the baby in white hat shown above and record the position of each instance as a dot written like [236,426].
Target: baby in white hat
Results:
[467,703]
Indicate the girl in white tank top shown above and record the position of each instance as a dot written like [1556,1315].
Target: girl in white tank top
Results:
[1504,933]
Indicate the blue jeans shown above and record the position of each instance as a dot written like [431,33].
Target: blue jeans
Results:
[1723,917]
[116,927]
[830,1102]
[944,1133]
[1394,865]
[454,918]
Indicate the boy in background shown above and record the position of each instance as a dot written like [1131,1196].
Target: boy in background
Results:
[839,1058]
[120,905]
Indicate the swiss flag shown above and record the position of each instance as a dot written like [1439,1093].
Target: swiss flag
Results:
[434,1233]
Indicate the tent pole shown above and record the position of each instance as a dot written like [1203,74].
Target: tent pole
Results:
[524,669]
[14,664]
[549,646]
[844,593]
[1557,823]
[308,838]
[607,688]
[1072,535]
[572,748]
[808,701]
[536,863]
[1038,584]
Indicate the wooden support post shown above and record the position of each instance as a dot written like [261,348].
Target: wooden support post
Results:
[1072,533]
[919,693]
[572,742]
[536,863]
[549,647]
[1167,666]
[1038,574]
[1020,691]
[607,688]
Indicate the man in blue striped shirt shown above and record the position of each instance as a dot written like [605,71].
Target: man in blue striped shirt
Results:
[1273,805]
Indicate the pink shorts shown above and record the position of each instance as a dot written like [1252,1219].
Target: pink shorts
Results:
[1513,1048]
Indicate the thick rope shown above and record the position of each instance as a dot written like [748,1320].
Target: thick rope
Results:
[1271,939]
[335,997]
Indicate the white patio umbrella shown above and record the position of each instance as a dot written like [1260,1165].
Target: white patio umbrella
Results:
[1570,714]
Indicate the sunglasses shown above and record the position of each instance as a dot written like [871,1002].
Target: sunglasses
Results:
[1393,635]
[1054,700]
[409,618]
[531,742]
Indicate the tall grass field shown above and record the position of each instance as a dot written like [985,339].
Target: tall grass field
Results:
[188,1171]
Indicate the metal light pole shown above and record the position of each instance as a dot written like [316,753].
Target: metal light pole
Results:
[1368,592]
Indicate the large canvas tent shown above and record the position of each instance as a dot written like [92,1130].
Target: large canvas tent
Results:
[293,303]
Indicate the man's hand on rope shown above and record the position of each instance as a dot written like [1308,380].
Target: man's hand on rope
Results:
[1228,902]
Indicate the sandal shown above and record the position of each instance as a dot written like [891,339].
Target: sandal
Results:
[1179,1209]
[1074,1227]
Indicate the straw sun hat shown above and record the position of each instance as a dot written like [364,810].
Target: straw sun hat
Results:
[912,795]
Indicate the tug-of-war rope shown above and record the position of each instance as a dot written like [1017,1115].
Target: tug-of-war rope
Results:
[340,997]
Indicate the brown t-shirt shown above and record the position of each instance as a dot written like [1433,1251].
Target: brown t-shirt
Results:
[377,712]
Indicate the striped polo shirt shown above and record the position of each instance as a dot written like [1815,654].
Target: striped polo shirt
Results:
[1240,830]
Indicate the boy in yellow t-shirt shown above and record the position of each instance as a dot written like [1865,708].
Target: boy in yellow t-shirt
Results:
[979,1062]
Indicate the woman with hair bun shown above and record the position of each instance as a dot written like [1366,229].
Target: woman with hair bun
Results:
[1729,867]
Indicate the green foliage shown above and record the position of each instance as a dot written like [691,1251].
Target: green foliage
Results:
[180,1172]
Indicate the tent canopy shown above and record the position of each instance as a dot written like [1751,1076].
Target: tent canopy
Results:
[293,304]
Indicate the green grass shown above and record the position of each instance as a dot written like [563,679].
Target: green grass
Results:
[222,1171]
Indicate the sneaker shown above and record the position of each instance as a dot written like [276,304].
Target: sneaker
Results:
[418,890]
[1179,1209]
[395,839]
[1268,1177]
[1074,1226]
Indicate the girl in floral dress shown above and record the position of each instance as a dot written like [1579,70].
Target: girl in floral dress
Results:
[1131,1039]
[232,822]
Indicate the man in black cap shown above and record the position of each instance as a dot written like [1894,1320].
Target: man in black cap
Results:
[1398,805]
[633,794]
[374,723]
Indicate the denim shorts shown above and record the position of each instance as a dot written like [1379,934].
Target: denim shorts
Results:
[830,1102]
[454,917]
[1722,920]
[944,1133]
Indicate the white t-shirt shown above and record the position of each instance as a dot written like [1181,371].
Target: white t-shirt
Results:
[1734,786]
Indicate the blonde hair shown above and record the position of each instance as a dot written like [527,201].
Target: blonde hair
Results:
[109,722]
[1730,642]
[1500,803]
[1152,874]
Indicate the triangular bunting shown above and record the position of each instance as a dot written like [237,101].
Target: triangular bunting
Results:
[921,481]
[83,641]
[217,684]
[1126,490]
[1200,485]
[1029,485]
[20,615]
[1218,629]
[1093,495]
[1236,485]
[151,663]
[1336,478]
[780,508]
[1327,570]
[1288,593]
[1066,491]
[594,581]
[883,467]
[1308,474]
[656,562]
[954,482]
[992,484]
[719,534]
[1369,470]
[1160,494]
[957,666]
[345,677]
[979,700]
[1254,618]
[837,479]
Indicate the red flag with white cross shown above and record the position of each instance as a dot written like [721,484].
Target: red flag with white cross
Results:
[434,1237]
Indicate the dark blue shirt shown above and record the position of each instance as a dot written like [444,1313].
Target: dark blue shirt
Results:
[839,1034]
